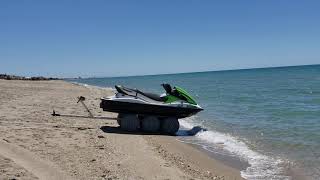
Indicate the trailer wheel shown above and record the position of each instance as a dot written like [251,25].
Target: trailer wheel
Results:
[170,125]
[129,122]
[150,124]
[120,116]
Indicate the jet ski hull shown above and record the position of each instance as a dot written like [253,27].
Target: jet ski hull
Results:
[147,109]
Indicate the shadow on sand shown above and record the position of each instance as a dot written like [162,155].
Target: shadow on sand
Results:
[118,130]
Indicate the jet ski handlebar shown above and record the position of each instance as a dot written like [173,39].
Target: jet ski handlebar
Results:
[167,87]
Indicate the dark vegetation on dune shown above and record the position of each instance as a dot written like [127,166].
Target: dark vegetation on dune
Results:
[35,78]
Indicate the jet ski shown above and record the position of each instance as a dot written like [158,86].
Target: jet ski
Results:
[148,111]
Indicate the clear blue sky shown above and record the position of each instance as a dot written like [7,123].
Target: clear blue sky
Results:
[114,38]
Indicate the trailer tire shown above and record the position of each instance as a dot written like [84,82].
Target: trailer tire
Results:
[150,124]
[119,118]
[129,122]
[170,125]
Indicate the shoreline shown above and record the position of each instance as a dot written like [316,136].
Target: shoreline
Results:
[233,162]
[80,148]
[192,158]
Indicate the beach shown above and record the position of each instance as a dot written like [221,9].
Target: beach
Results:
[36,145]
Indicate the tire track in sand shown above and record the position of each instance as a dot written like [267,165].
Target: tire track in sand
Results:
[38,167]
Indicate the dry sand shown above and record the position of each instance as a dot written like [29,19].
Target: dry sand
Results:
[36,145]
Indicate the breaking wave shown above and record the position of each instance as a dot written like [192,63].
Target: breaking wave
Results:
[260,166]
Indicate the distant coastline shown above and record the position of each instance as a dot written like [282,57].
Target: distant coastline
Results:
[34,78]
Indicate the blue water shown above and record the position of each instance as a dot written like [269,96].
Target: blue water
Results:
[269,117]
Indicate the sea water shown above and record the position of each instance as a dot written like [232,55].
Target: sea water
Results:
[269,118]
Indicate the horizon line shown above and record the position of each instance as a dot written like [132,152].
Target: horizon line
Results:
[241,69]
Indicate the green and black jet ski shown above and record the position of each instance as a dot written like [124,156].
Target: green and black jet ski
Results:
[148,111]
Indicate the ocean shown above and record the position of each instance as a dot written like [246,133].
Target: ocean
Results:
[268,118]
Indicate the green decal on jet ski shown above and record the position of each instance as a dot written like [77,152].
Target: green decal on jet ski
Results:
[170,99]
[184,94]
[179,94]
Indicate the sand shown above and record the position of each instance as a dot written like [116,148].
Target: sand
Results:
[36,145]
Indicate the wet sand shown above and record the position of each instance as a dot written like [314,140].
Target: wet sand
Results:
[34,144]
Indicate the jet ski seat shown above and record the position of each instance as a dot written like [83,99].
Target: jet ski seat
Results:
[133,92]
[152,96]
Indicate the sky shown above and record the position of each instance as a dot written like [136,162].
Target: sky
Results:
[73,38]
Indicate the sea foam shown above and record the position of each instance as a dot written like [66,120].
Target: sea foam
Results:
[261,166]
